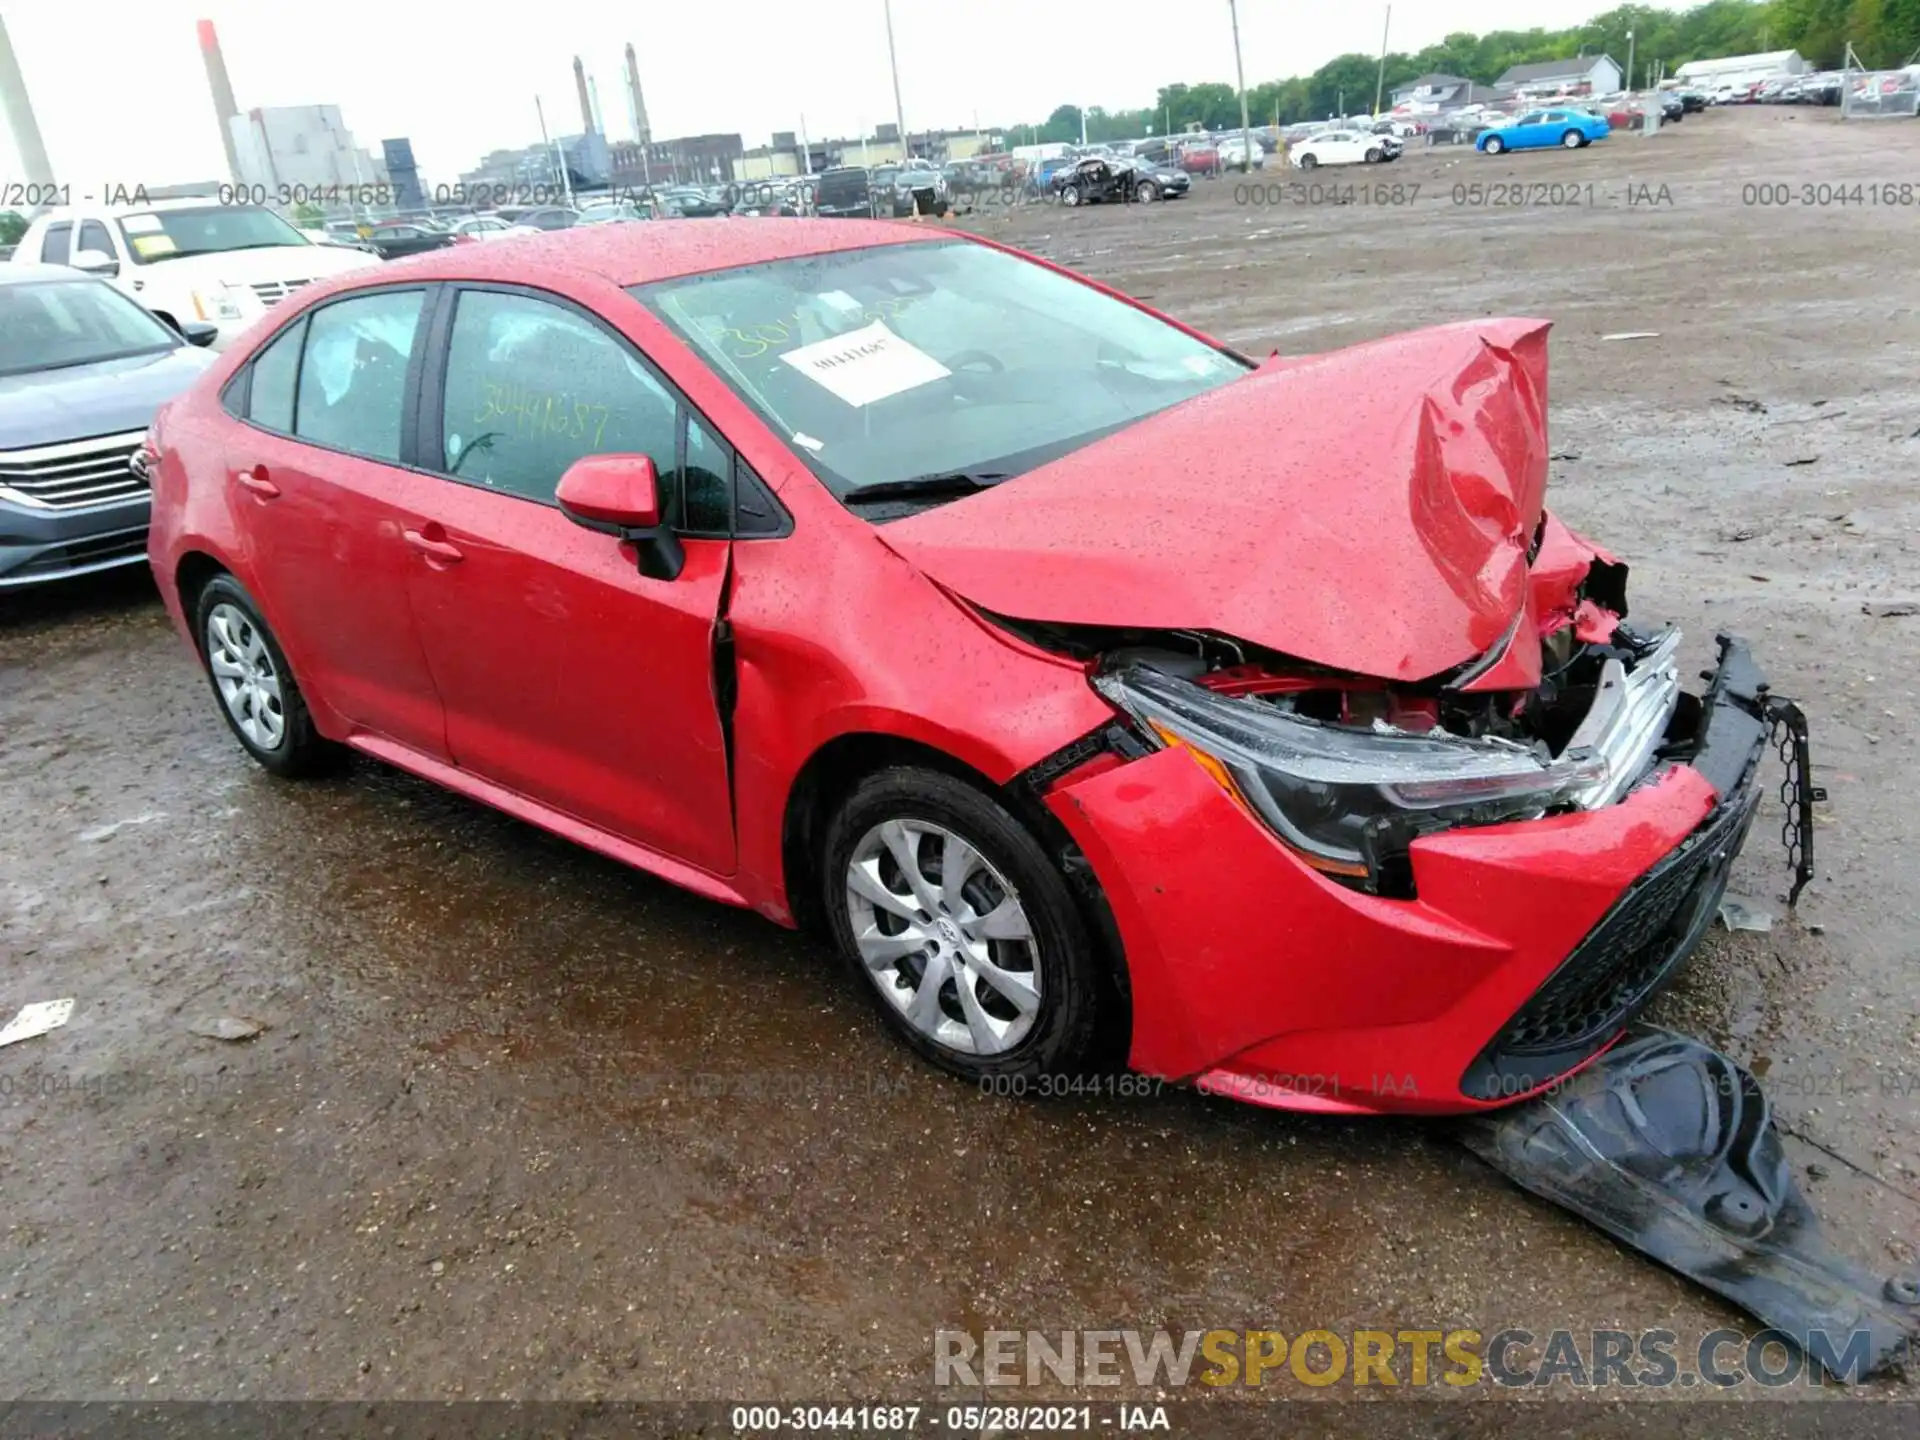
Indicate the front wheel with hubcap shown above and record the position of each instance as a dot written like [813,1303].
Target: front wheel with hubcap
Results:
[1146,192]
[1070,195]
[964,929]
[258,695]
[1495,145]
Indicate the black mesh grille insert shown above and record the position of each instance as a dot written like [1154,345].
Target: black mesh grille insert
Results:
[1623,961]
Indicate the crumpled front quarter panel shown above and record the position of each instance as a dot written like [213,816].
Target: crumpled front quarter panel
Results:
[837,635]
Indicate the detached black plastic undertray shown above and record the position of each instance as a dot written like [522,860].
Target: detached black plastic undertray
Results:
[1670,1147]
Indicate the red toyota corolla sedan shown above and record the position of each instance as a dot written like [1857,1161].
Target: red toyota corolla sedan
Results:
[1103,695]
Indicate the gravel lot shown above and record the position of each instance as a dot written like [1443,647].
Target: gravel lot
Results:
[501,1135]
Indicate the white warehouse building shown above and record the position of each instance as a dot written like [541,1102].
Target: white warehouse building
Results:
[1741,69]
[304,146]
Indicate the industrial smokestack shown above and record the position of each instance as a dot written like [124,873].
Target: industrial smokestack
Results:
[641,130]
[26,130]
[593,87]
[222,89]
[580,84]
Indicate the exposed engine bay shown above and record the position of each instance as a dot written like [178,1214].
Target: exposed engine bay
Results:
[1348,770]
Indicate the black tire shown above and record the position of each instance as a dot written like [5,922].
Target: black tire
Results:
[1308,162]
[1147,192]
[1494,145]
[1070,1026]
[1573,140]
[1373,155]
[300,750]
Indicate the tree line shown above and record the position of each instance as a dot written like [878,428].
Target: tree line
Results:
[1884,34]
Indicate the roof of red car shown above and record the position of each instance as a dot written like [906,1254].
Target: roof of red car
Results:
[635,254]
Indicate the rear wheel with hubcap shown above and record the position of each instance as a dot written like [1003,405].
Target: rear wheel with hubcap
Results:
[258,695]
[964,929]
[1573,140]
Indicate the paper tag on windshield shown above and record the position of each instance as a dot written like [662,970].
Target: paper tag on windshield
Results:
[866,365]
[148,246]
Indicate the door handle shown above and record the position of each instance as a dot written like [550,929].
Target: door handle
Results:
[256,480]
[439,550]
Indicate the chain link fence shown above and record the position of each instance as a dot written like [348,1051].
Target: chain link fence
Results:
[1881,94]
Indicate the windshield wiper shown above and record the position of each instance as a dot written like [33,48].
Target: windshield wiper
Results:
[943,482]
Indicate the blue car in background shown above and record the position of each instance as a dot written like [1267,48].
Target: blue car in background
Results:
[1544,129]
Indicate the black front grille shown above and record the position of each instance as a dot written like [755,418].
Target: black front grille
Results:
[1616,970]
[124,547]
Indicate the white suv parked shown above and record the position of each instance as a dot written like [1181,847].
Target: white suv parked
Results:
[189,260]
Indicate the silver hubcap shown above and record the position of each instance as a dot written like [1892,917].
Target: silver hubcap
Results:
[944,936]
[242,668]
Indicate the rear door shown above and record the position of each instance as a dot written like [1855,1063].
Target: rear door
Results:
[568,676]
[323,496]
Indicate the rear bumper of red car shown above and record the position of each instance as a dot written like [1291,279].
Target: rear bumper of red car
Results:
[1528,948]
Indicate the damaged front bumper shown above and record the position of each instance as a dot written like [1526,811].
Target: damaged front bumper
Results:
[1524,950]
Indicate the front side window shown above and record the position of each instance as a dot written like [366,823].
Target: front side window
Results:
[158,235]
[93,236]
[898,362]
[353,374]
[54,324]
[532,387]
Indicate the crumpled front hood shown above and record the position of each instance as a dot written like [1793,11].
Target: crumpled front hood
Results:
[1369,509]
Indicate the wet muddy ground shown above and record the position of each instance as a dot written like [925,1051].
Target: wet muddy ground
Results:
[523,1123]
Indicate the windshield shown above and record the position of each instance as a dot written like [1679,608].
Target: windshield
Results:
[205,230]
[48,325]
[899,361]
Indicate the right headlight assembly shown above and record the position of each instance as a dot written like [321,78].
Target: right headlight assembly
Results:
[1336,794]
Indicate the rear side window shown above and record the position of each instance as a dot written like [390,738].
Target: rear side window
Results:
[270,401]
[532,387]
[353,373]
[57,247]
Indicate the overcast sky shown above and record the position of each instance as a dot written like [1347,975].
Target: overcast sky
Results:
[122,97]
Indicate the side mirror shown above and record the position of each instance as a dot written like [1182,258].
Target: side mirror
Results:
[620,495]
[199,332]
[95,262]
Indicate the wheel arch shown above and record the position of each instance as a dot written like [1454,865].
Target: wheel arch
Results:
[196,568]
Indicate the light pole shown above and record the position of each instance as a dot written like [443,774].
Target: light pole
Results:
[1240,75]
[1629,62]
[1380,83]
[893,63]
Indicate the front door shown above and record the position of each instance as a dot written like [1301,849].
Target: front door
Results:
[567,676]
